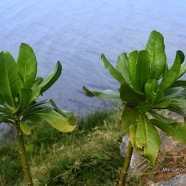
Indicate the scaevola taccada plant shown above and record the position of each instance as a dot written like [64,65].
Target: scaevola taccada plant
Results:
[148,85]
[19,89]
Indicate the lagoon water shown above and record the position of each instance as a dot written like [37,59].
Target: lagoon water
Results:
[77,32]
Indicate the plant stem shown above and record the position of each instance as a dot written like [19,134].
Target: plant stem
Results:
[24,160]
[126,164]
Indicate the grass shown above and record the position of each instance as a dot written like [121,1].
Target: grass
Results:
[90,156]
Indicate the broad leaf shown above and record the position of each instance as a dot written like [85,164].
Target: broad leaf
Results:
[172,74]
[129,117]
[122,67]
[147,138]
[57,121]
[52,78]
[27,65]
[155,46]
[114,73]
[142,70]
[101,94]
[65,113]
[176,130]
[132,61]
[10,81]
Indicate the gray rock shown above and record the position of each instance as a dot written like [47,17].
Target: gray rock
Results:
[179,180]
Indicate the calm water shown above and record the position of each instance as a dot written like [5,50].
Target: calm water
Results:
[76,32]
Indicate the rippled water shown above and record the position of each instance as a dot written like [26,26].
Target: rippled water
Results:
[78,32]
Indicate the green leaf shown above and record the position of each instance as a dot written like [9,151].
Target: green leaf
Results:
[26,128]
[114,73]
[155,46]
[180,102]
[122,67]
[109,94]
[181,55]
[175,92]
[147,138]
[142,70]
[129,117]
[151,89]
[34,108]
[27,65]
[65,113]
[162,104]
[140,133]
[160,117]
[175,108]
[171,75]
[10,81]
[179,83]
[25,98]
[128,95]
[57,121]
[176,130]
[52,78]
[132,61]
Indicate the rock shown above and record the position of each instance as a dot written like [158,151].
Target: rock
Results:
[179,180]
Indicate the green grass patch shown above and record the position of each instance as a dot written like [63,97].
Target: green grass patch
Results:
[88,156]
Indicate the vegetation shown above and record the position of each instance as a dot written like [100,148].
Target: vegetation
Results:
[88,156]
[147,85]
[18,93]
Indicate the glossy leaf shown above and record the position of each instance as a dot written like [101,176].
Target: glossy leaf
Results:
[52,78]
[57,121]
[172,74]
[114,73]
[176,130]
[27,65]
[142,70]
[101,94]
[129,117]
[147,138]
[132,61]
[10,81]
[155,46]
[122,67]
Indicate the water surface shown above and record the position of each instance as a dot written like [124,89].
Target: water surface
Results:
[78,32]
